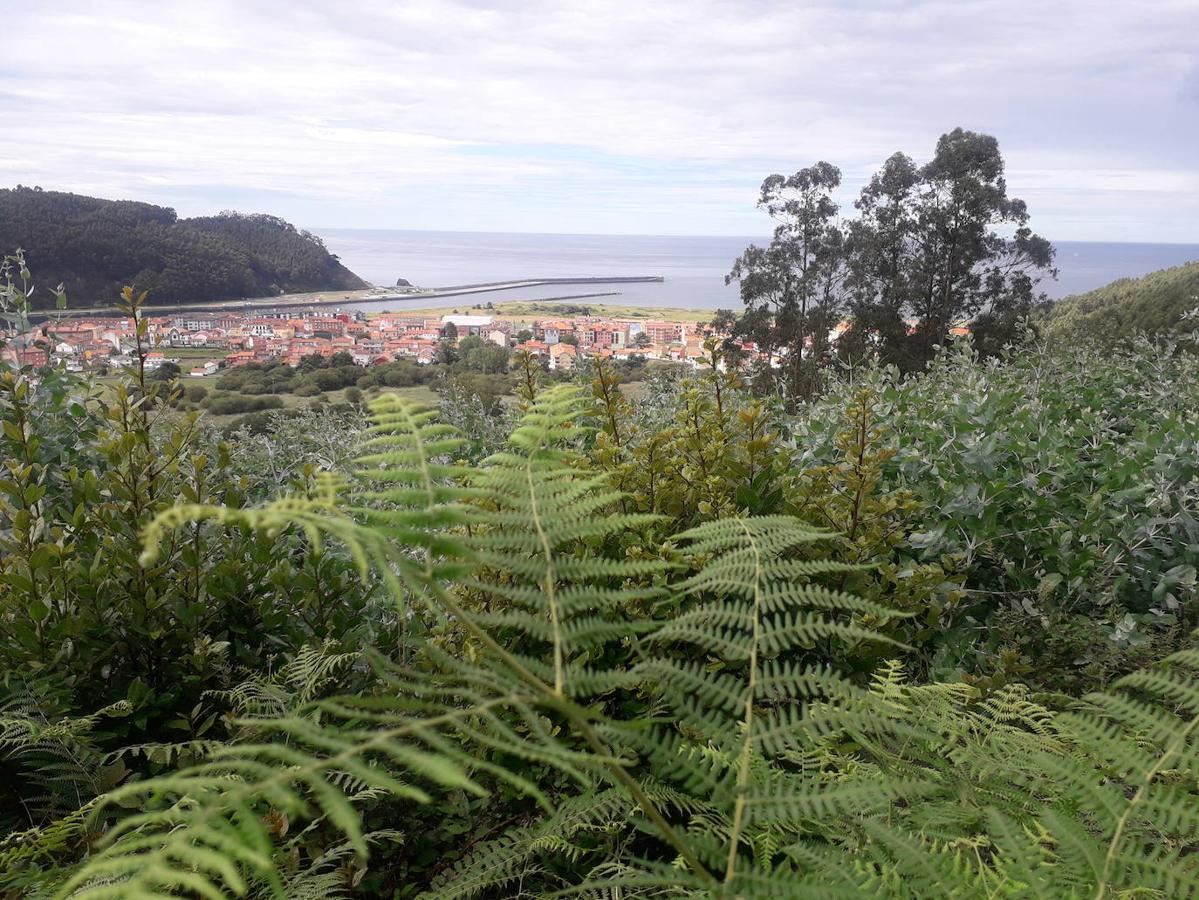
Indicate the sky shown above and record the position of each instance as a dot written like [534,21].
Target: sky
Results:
[637,117]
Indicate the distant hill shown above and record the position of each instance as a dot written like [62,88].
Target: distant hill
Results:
[1154,304]
[94,247]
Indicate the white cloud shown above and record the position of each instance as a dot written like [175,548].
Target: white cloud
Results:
[624,116]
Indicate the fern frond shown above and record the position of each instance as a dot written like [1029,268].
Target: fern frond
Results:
[764,611]
[202,826]
[541,512]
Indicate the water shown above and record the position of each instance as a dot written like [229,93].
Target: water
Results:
[693,267]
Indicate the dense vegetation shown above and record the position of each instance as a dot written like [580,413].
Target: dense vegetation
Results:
[1156,304]
[94,247]
[475,372]
[926,635]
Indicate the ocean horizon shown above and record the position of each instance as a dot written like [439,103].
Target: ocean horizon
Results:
[692,267]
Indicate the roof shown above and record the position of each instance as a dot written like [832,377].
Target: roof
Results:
[467,321]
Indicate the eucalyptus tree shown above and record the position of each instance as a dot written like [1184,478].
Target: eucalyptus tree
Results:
[974,251]
[792,288]
[882,278]
[932,246]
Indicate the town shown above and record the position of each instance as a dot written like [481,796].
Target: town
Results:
[288,335]
[234,339]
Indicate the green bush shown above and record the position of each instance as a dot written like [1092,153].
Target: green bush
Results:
[103,651]
[1063,485]
[233,404]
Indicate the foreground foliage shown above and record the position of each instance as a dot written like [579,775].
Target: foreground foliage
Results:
[685,722]
[925,636]
[1059,488]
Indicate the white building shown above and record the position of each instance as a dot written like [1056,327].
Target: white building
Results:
[194,324]
[467,324]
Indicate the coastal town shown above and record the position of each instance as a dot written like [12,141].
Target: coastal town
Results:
[222,340]
[233,339]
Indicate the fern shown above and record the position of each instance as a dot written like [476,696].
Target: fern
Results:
[35,860]
[748,766]
[299,681]
[757,611]
[1006,797]
[542,516]
[59,767]
[519,853]
[200,827]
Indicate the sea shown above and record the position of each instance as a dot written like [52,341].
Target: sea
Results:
[692,268]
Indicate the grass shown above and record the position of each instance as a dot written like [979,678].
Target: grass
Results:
[421,393]
[193,353]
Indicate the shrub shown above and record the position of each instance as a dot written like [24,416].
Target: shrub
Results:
[1063,482]
[101,653]
[231,405]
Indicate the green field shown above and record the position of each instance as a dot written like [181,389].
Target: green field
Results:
[191,353]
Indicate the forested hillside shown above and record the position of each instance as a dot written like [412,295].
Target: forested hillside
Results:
[94,247]
[1154,304]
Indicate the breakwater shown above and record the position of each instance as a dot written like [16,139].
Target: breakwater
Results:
[353,298]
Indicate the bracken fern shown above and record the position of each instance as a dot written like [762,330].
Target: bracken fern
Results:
[749,765]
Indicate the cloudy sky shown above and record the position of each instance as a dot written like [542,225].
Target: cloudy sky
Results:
[629,117]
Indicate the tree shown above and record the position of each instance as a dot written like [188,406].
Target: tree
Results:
[926,246]
[962,266]
[569,338]
[311,363]
[792,287]
[642,340]
[167,371]
[447,353]
[880,240]
[477,355]
[932,246]
[449,332]
[524,335]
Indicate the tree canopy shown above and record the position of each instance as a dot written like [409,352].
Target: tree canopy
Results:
[1155,304]
[931,245]
[94,247]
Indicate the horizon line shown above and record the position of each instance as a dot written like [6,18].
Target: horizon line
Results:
[319,228]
